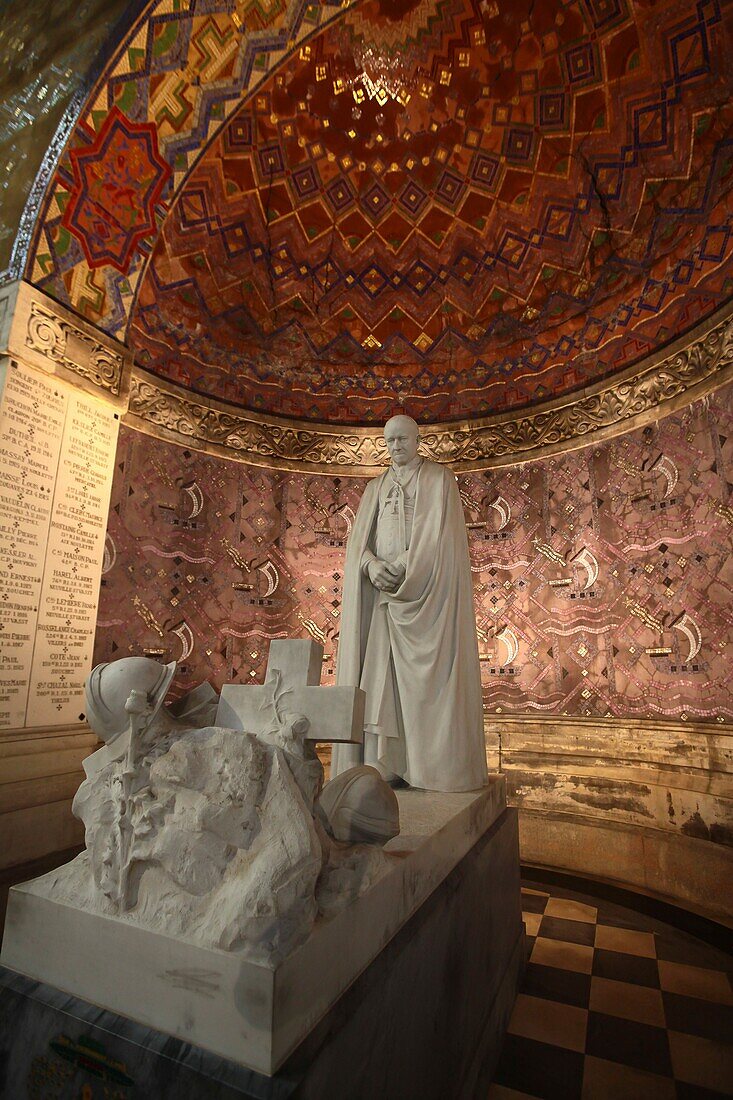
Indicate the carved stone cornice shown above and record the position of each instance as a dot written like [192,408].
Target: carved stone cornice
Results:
[37,330]
[162,409]
[64,343]
[690,368]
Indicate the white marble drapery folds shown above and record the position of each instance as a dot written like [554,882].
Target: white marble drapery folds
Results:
[414,651]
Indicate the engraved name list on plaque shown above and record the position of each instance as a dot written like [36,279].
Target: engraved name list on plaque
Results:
[57,448]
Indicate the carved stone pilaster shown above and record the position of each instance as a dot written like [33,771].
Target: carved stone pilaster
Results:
[63,386]
[43,334]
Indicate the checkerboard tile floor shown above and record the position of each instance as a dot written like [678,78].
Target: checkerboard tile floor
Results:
[615,1005]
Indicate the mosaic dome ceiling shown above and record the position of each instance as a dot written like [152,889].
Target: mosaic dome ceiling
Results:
[458,208]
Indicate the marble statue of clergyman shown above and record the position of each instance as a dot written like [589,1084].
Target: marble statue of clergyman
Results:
[408,630]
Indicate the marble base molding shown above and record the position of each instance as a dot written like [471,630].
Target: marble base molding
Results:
[680,871]
[643,803]
[40,772]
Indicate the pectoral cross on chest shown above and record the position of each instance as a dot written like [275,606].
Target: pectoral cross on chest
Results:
[292,686]
[393,498]
[392,503]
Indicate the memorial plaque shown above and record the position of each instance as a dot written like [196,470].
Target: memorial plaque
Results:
[32,415]
[57,449]
[67,614]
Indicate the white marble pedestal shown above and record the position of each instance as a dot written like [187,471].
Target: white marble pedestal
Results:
[256,1016]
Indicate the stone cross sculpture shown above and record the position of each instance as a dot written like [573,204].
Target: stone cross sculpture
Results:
[293,685]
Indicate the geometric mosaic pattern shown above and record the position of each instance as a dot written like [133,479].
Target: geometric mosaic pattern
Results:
[615,1003]
[603,579]
[544,199]
[117,182]
[468,208]
[181,69]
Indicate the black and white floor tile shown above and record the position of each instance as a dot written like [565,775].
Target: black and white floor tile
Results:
[615,1005]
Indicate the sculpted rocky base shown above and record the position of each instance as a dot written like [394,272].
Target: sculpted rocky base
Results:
[215,835]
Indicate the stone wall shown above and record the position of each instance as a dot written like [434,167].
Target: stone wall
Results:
[41,772]
[645,803]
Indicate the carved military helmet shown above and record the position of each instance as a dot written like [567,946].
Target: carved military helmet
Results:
[108,688]
[361,808]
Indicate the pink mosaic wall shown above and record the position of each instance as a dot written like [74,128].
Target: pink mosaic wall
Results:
[602,578]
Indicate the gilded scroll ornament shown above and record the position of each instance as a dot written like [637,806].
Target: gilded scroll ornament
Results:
[652,392]
[170,410]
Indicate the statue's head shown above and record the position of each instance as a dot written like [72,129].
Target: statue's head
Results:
[401,434]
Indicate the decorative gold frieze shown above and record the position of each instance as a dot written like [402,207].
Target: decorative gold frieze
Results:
[163,409]
[170,410]
[296,444]
[654,389]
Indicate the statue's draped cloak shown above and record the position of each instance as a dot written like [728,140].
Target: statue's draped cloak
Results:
[431,637]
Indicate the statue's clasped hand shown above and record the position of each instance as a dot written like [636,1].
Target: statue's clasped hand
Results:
[385,576]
